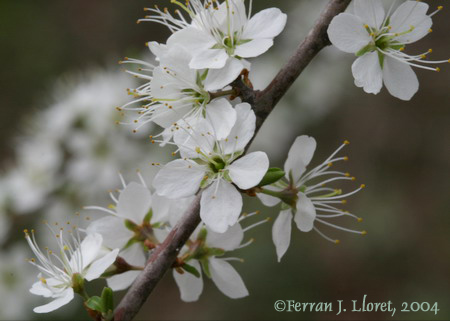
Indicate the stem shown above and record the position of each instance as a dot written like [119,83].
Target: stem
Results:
[231,92]
[263,103]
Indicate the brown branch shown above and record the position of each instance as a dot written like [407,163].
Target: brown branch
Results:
[263,103]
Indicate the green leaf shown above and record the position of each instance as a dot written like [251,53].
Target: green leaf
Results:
[190,269]
[381,59]
[148,217]
[130,225]
[107,299]
[216,251]
[95,303]
[273,175]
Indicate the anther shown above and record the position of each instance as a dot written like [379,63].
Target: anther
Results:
[346,158]
[346,142]
[337,242]
[363,186]
[359,219]
[363,233]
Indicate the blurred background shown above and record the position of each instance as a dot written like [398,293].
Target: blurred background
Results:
[60,150]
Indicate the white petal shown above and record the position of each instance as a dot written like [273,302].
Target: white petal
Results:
[242,131]
[248,171]
[192,39]
[96,269]
[159,50]
[59,301]
[347,33]
[299,156]
[134,255]
[134,202]
[227,279]
[193,133]
[267,23]
[219,78]
[253,48]
[190,286]
[370,12]
[113,230]
[411,13]
[306,213]
[281,232]
[90,248]
[228,241]
[399,78]
[179,178]
[221,205]
[160,208]
[38,288]
[222,117]
[367,73]
[209,59]
[268,200]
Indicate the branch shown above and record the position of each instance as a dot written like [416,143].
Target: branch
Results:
[263,103]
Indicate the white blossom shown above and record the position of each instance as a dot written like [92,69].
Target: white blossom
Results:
[74,261]
[378,39]
[306,195]
[221,34]
[214,165]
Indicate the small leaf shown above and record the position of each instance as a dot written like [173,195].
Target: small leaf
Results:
[148,217]
[364,50]
[107,299]
[190,269]
[95,303]
[273,175]
[205,266]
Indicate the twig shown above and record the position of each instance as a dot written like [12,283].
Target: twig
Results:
[263,102]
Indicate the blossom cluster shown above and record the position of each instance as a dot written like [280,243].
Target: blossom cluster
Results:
[189,90]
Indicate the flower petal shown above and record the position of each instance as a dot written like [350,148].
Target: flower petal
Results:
[179,178]
[134,202]
[268,200]
[96,269]
[347,33]
[242,131]
[134,255]
[190,286]
[65,297]
[400,79]
[267,23]
[89,250]
[370,12]
[192,39]
[411,13]
[248,171]
[194,133]
[281,232]
[222,117]
[219,78]
[228,241]
[299,156]
[209,59]
[367,73]
[227,279]
[221,205]
[306,213]
[113,230]
[253,48]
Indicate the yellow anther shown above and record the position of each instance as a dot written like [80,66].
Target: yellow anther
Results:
[344,201]
[65,248]
[359,219]
[174,154]
[366,26]
[440,7]
[111,206]
[363,233]
[25,231]
[423,56]
[152,141]
[430,50]
[363,186]
[346,142]
[337,242]
[430,30]
[438,69]
[346,158]
[347,174]
[353,178]
[402,49]
[33,260]
[198,150]
[330,164]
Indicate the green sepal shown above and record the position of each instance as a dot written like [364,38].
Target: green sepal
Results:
[273,175]
[202,234]
[216,251]
[107,299]
[381,59]
[148,217]
[95,303]
[130,225]
[190,269]
[364,50]
[205,266]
